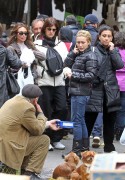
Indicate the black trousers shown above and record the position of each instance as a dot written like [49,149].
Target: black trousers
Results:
[53,104]
[108,126]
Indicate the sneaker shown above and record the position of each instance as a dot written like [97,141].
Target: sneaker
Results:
[51,148]
[96,142]
[114,152]
[58,145]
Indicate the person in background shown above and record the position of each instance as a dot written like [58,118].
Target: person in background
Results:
[119,41]
[66,35]
[71,23]
[105,93]
[23,145]
[91,25]
[37,25]
[3,36]
[83,64]
[53,101]
[42,16]
[115,28]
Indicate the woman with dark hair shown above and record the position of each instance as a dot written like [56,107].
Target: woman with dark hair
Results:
[119,40]
[105,95]
[53,100]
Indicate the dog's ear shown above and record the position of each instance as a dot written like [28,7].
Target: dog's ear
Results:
[84,154]
[76,158]
[66,158]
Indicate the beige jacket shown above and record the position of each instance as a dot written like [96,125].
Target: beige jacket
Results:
[17,123]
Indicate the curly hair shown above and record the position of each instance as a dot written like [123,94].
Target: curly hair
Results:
[119,40]
[13,35]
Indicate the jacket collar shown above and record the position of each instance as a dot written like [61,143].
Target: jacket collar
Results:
[86,50]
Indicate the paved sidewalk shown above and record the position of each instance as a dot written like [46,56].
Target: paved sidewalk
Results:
[54,158]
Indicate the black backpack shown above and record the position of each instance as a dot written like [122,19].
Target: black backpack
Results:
[54,62]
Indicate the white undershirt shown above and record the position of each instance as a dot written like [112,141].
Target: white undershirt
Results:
[22,46]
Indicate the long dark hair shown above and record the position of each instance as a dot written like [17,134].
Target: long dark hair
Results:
[102,28]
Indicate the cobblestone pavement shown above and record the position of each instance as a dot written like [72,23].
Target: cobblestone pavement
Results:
[54,158]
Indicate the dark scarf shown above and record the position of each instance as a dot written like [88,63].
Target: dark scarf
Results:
[48,42]
[105,61]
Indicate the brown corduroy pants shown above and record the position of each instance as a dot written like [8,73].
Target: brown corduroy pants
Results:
[36,153]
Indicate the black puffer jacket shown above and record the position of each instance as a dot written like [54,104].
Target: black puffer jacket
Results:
[84,67]
[106,89]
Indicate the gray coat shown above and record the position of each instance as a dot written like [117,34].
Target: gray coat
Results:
[6,59]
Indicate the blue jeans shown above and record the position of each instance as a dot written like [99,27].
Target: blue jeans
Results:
[78,105]
[120,116]
[97,129]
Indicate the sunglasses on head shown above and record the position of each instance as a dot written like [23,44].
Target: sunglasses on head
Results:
[50,29]
[21,33]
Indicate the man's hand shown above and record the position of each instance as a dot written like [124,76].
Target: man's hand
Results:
[52,124]
[38,108]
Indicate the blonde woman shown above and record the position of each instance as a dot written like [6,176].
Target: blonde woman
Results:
[83,64]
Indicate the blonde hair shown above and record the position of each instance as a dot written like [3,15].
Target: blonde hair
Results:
[85,34]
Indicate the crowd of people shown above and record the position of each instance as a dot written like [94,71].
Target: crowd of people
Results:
[89,91]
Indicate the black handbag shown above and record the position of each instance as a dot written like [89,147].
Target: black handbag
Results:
[112,96]
[12,84]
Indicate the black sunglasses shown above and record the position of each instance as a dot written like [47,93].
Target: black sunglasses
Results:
[21,33]
[50,29]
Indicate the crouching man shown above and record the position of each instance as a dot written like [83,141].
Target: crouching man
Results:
[22,123]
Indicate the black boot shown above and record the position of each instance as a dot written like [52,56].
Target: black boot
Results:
[85,144]
[76,148]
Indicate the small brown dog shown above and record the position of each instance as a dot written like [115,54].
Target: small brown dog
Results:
[65,169]
[72,158]
[84,169]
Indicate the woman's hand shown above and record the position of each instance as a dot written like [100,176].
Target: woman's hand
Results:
[76,50]
[111,46]
[24,65]
[69,74]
